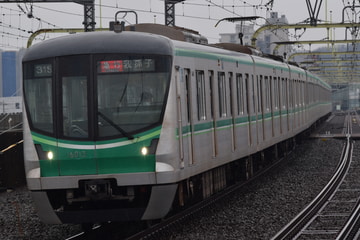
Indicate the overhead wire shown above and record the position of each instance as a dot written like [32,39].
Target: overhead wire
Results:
[223,6]
[237,4]
[12,30]
[25,11]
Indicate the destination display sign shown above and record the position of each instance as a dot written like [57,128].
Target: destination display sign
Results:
[133,65]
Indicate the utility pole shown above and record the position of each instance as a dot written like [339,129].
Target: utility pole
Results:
[313,11]
[170,11]
[89,15]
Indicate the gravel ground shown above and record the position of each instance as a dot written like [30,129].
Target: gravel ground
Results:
[18,219]
[256,212]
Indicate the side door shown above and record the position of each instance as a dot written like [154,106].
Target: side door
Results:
[185,129]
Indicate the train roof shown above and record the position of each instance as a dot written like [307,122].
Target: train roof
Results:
[101,42]
[172,32]
[139,38]
[149,39]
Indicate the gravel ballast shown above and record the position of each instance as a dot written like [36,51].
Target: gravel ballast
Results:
[264,207]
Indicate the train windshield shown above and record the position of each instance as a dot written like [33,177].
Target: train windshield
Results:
[39,98]
[96,97]
[130,93]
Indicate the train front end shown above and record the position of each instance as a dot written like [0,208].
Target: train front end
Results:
[94,109]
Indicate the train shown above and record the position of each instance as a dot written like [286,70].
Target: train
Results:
[131,125]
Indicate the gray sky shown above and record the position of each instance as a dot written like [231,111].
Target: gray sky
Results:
[200,15]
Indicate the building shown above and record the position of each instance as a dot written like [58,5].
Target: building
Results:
[10,82]
[265,40]
[346,96]
[246,30]
[10,73]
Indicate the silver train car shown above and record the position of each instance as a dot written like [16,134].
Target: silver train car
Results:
[130,125]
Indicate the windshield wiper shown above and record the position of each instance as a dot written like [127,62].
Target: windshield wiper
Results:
[122,131]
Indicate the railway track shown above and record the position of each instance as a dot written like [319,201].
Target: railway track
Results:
[335,212]
[161,229]
[330,216]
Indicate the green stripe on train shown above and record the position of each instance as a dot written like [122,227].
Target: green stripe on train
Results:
[103,157]
[207,126]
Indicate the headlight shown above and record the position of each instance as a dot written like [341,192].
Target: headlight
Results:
[144,151]
[50,155]
[150,149]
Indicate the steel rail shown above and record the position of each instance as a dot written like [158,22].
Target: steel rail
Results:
[352,224]
[351,227]
[296,224]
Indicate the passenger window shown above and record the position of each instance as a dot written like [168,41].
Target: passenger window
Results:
[240,94]
[200,95]
[187,93]
[253,93]
[267,93]
[291,94]
[259,93]
[231,93]
[211,79]
[283,93]
[222,94]
[276,93]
